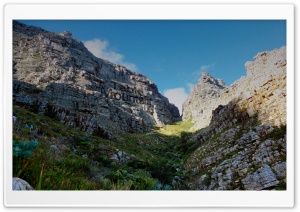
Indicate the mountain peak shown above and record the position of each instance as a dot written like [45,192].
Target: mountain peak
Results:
[207,78]
[261,91]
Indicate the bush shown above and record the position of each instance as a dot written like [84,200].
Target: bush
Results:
[162,170]
[133,180]
[160,186]
[21,152]
[23,149]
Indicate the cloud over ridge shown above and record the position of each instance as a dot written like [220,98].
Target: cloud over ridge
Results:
[176,96]
[101,49]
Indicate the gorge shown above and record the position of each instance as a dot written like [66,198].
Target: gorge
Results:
[101,126]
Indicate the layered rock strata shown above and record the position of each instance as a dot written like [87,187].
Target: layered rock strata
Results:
[56,75]
[238,152]
[241,144]
[262,91]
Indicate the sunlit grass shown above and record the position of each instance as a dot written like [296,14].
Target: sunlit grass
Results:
[176,128]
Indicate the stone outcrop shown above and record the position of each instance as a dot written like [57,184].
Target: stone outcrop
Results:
[262,91]
[58,76]
[241,144]
[19,184]
[236,151]
[202,100]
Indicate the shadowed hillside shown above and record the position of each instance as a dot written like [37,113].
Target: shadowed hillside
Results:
[84,123]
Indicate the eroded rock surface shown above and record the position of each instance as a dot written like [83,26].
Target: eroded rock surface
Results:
[262,91]
[56,75]
[241,141]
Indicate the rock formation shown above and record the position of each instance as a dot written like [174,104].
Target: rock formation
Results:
[238,152]
[262,91]
[19,184]
[58,76]
[202,100]
[242,140]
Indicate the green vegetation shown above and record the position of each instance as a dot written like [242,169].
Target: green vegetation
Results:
[176,128]
[21,152]
[281,185]
[53,156]
[277,133]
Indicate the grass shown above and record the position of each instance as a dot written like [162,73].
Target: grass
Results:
[69,159]
[281,185]
[277,133]
[176,128]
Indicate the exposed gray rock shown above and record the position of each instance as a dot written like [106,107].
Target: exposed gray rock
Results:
[20,184]
[64,80]
[280,170]
[231,149]
[236,146]
[263,178]
[207,90]
[120,156]
[248,138]
[262,92]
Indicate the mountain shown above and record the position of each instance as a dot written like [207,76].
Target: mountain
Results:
[202,100]
[75,118]
[262,91]
[241,138]
[55,74]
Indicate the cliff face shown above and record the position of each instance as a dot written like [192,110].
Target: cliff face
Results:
[262,91]
[202,100]
[57,75]
[242,143]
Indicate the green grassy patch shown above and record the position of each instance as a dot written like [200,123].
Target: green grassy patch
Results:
[176,128]
[277,133]
[69,159]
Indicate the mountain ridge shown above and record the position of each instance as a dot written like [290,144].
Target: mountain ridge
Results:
[258,91]
[240,141]
[89,118]
[95,93]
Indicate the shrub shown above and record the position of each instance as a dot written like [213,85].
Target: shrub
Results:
[160,186]
[23,149]
[21,152]
[133,180]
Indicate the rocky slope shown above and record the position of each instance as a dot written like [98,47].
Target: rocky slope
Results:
[262,91]
[55,74]
[202,100]
[244,144]
[237,152]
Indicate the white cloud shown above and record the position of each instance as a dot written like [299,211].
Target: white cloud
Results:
[190,86]
[100,48]
[206,67]
[176,96]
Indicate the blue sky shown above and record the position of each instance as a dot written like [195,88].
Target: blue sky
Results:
[174,53]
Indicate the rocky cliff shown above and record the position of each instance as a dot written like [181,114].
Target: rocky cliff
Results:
[237,152]
[55,74]
[262,91]
[202,100]
[242,140]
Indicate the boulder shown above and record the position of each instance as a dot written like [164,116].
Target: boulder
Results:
[19,184]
